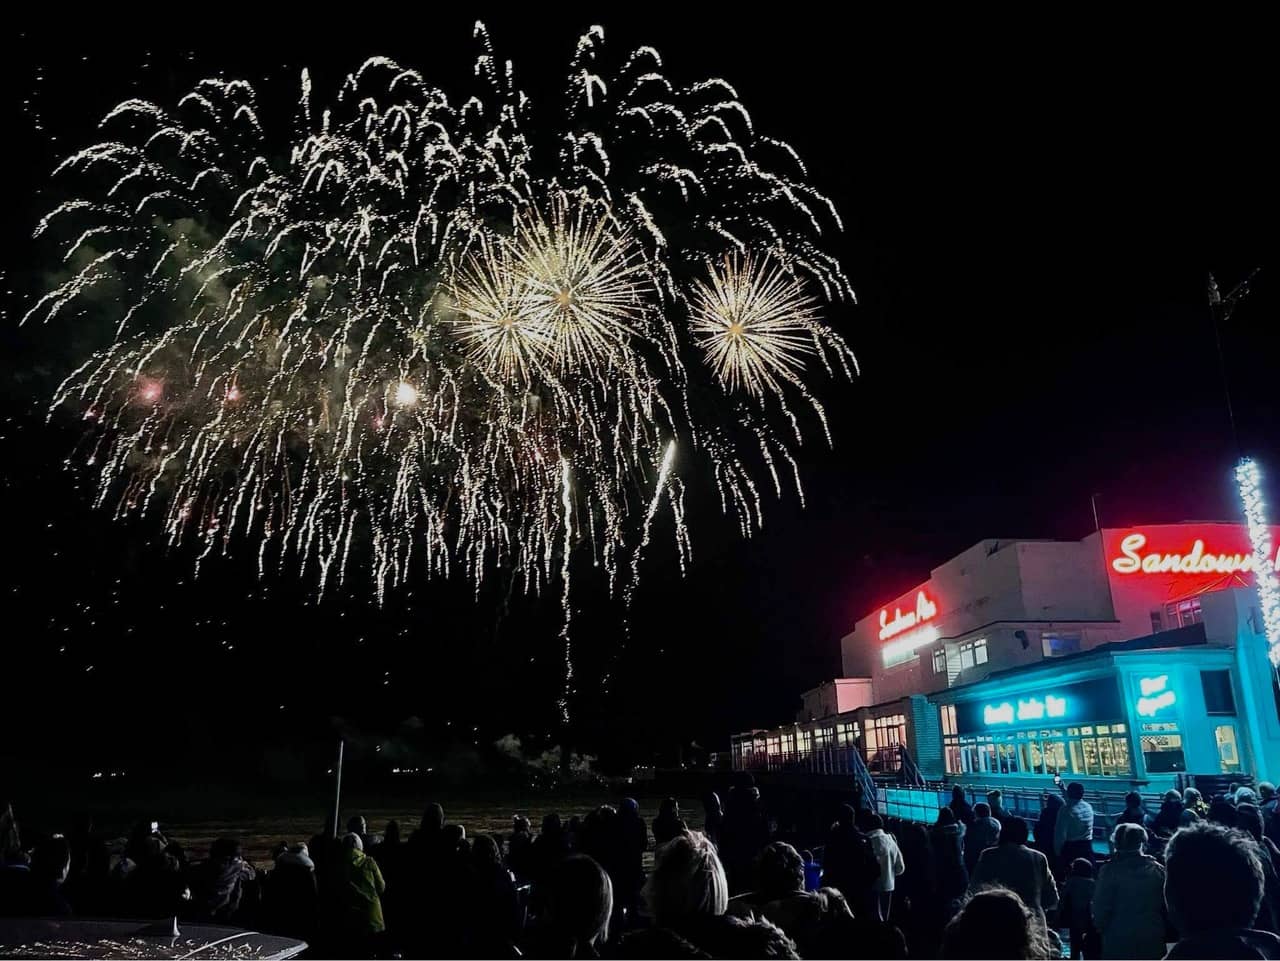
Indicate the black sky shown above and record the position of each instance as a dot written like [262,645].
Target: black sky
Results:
[1031,211]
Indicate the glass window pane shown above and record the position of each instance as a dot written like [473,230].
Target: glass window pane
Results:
[980,651]
[1055,757]
[1077,758]
[1090,756]
[1162,753]
[1120,752]
[1224,735]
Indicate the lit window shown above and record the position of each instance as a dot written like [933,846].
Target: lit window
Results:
[1224,735]
[973,653]
[1161,746]
[1184,613]
[980,651]
[1059,645]
[940,661]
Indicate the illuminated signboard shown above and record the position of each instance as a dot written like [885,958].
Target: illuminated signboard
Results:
[1028,709]
[901,623]
[1194,555]
[1156,695]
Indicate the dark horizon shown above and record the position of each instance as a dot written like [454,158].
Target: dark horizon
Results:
[1029,228]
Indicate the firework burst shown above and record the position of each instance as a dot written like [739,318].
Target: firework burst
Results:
[401,341]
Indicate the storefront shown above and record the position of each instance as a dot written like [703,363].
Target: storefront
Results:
[1133,714]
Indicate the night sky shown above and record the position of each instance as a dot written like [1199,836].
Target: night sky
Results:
[1029,226]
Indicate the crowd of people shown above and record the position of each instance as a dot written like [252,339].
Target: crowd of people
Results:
[979,882]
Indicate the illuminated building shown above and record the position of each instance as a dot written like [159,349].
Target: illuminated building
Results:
[1131,658]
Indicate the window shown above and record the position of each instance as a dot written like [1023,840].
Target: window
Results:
[1157,625]
[1218,696]
[1161,746]
[973,653]
[940,661]
[1101,750]
[884,734]
[1184,613]
[1224,735]
[1059,645]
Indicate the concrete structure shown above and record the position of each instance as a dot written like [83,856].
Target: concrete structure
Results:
[840,696]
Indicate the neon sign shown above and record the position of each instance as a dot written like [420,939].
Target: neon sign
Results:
[1028,709]
[1156,695]
[1197,560]
[901,623]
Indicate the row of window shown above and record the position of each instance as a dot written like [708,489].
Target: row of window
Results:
[1095,749]
[1178,614]
[968,654]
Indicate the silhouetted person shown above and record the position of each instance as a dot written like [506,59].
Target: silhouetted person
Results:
[960,807]
[577,907]
[219,883]
[1128,902]
[520,847]
[921,912]
[1023,870]
[492,908]
[712,817]
[357,825]
[668,823]
[995,802]
[155,888]
[744,831]
[1213,888]
[891,864]
[1134,812]
[1075,909]
[947,841]
[688,896]
[292,901]
[849,864]
[994,923]
[550,847]
[983,833]
[1249,820]
[50,865]
[425,842]
[1046,825]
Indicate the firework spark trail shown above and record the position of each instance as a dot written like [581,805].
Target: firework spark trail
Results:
[387,340]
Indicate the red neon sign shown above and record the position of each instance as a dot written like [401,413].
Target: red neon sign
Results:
[925,610]
[1134,555]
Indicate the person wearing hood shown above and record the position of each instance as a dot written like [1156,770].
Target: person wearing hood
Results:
[360,898]
[292,894]
[1193,802]
[1171,815]
[688,896]
[983,833]
[1128,899]
[1213,889]
[946,839]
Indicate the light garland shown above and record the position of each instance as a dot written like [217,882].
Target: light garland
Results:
[1249,479]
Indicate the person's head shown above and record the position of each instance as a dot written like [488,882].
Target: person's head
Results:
[982,810]
[846,815]
[551,824]
[994,799]
[629,808]
[455,836]
[358,825]
[1075,791]
[994,923]
[1249,820]
[1133,800]
[1222,811]
[1082,868]
[780,870]
[1191,796]
[669,808]
[225,849]
[579,901]
[688,881]
[1213,879]
[873,822]
[433,817]
[51,860]
[1052,802]
[711,803]
[1013,831]
[484,850]
[521,825]
[351,842]
[957,793]
[1266,791]
[391,834]
[1172,797]
[1245,795]
[1128,837]
[946,816]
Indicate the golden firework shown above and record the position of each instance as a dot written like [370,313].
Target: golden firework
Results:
[754,321]
[493,316]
